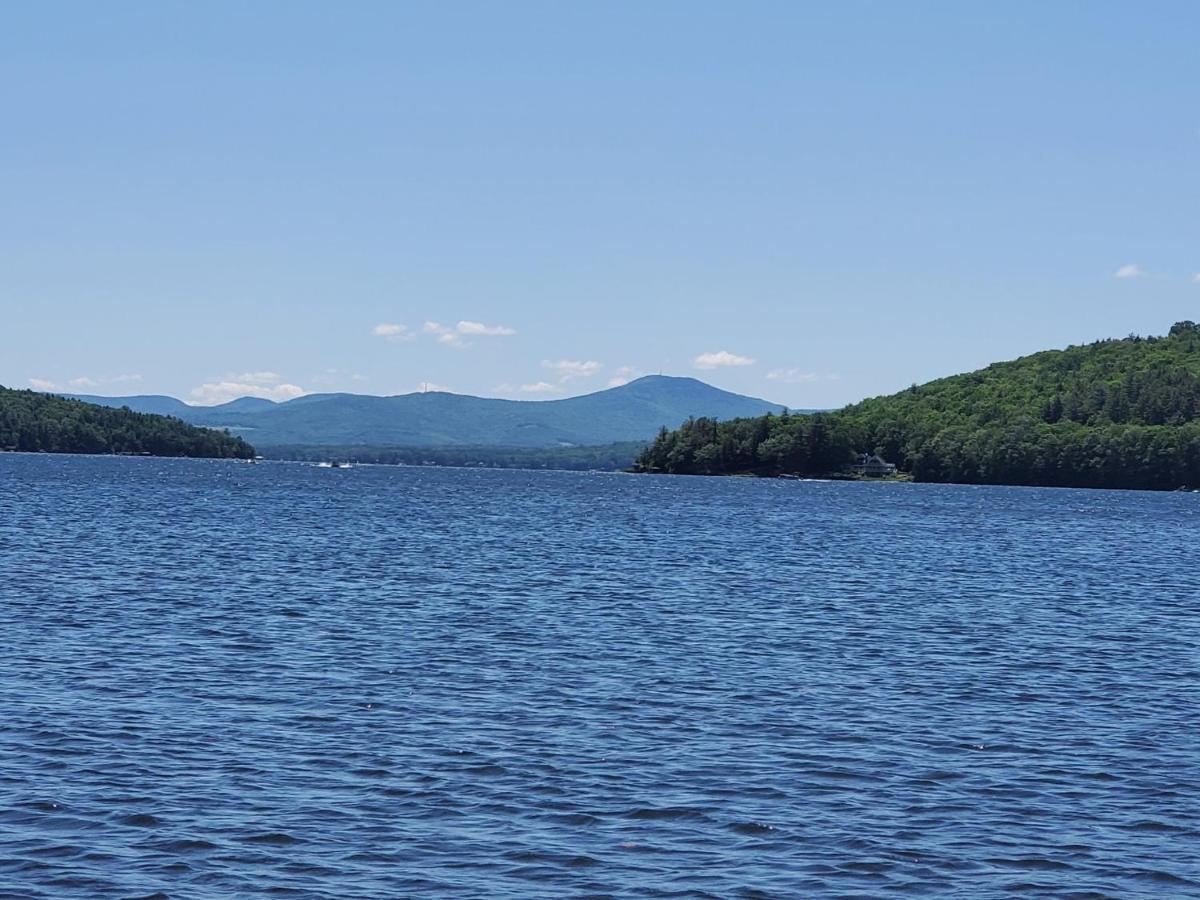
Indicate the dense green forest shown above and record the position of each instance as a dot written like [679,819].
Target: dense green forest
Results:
[610,457]
[37,422]
[1114,414]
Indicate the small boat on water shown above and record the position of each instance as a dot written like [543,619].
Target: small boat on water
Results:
[334,465]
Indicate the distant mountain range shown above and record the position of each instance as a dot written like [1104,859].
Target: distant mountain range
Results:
[635,411]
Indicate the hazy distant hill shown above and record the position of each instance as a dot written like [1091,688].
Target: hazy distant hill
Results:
[161,405]
[155,404]
[635,411]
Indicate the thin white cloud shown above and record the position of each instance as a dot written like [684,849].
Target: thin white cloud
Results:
[478,328]
[624,375]
[392,331]
[444,334]
[540,387]
[82,382]
[721,359]
[334,376]
[266,378]
[572,368]
[264,384]
[1196,278]
[1133,270]
[214,392]
[792,376]
[453,336]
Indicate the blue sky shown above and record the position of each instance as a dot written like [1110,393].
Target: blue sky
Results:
[806,202]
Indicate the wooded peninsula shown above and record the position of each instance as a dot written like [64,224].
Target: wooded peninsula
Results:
[1112,414]
[45,423]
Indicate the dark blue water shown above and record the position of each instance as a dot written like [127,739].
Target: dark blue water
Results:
[219,679]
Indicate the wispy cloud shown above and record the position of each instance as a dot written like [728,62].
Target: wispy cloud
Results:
[1132,270]
[444,334]
[334,376]
[258,377]
[392,331]
[566,369]
[213,392]
[267,385]
[792,376]
[83,382]
[453,336]
[624,375]
[1196,278]
[478,328]
[539,387]
[721,359]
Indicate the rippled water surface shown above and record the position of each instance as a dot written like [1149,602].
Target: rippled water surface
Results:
[219,679]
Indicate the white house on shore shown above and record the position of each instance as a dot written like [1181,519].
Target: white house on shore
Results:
[872,465]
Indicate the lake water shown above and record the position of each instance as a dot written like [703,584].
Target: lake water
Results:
[219,679]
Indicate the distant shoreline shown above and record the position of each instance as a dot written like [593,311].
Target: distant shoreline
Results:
[829,478]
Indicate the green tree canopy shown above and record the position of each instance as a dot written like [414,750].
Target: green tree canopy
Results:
[1115,413]
[38,422]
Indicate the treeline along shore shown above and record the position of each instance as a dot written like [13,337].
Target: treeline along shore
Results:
[1112,414]
[44,423]
[608,457]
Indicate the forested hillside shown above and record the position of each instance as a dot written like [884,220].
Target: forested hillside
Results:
[43,422]
[1115,413]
